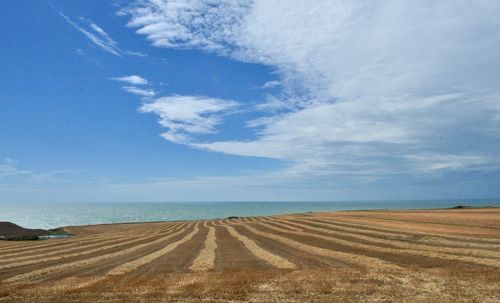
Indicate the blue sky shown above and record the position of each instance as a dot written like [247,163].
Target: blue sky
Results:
[249,100]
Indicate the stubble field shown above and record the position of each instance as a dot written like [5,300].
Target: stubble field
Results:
[356,256]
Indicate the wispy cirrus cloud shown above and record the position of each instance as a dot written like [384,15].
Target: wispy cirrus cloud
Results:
[271,84]
[9,169]
[369,88]
[95,34]
[98,37]
[139,91]
[132,80]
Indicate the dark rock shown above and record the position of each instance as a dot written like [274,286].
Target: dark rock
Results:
[11,231]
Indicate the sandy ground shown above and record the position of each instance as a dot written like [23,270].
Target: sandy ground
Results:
[355,256]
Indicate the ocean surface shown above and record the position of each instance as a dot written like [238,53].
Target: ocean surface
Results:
[51,215]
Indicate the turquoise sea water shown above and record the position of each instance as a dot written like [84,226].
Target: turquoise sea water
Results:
[51,215]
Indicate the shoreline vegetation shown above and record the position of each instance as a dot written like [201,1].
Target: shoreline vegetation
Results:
[428,255]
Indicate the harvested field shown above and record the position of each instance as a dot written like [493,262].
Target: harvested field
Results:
[355,256]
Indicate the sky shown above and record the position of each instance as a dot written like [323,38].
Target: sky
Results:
[191,100]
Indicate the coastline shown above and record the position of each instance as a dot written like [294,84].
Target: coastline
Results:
[51,215]
[297,214]
[444,211]
[456,207]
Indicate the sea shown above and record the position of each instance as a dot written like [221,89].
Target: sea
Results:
[53,215]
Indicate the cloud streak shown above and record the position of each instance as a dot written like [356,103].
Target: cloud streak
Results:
[132,80]
[139,91]
[9,170]
[95,34]
[98,37]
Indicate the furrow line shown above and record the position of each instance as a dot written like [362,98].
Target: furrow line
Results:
[98,272]
[79,241]
[27,250]
[479,243]
[281,224]
[60,267]
[361,260]
[399,243]
[488,262]
[29,246]
[449,236]
[273,259]
[130,266]
[382,217]
[206,259]
[70,242]
[40,256]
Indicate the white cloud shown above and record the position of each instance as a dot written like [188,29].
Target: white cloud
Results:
[184,116]
[181,24]
[98,37]
[374,86]
[271,84]
[139,91]
[134,53]
[132,79]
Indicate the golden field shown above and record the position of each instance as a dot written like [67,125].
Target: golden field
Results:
[351,256]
